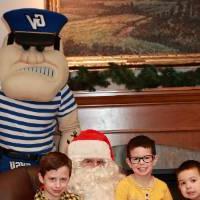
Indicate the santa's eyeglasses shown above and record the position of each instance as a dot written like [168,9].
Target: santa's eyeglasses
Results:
[146,159]
[92,162]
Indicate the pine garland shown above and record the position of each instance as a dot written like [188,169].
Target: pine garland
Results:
[148,77]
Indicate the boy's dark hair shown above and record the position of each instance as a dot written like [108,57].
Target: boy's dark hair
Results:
[141,141]
[188,164]
[53,161]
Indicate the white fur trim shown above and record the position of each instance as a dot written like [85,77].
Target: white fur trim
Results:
[89,149]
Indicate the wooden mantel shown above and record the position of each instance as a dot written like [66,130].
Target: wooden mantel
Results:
[170,116]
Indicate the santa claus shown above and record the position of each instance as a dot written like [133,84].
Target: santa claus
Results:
[94,171]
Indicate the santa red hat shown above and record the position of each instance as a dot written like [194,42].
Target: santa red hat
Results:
[90,144]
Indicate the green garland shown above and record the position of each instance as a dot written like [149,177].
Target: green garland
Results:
[148,77]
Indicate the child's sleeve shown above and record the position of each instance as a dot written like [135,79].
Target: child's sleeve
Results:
[168,195]
[121,192]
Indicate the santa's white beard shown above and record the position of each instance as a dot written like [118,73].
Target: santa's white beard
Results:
[95,183]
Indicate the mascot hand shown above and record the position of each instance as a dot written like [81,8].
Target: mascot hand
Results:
[69,127]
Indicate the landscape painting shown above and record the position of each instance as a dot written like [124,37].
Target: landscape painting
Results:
[130,32]
[131,27]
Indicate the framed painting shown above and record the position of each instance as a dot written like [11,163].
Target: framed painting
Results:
[160,32]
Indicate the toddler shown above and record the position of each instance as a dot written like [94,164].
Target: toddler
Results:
[188,178]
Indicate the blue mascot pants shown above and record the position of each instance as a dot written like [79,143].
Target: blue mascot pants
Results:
[12,159]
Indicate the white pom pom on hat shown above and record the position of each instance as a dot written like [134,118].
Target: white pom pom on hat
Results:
[90,144]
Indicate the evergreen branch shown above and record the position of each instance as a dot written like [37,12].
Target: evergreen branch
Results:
[149,77]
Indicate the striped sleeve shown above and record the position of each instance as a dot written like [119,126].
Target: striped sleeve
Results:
[68,103]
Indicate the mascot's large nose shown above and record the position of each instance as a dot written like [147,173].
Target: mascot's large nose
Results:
[32,56]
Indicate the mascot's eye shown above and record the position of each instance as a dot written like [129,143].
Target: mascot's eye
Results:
[40,48]
[26,47]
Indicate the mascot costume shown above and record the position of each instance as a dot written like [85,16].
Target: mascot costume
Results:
[34,96]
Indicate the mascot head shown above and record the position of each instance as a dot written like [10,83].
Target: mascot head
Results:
[32,66]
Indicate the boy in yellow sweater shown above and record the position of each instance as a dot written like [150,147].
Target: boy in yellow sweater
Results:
[142,185]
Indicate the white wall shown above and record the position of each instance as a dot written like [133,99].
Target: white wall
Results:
[6,5]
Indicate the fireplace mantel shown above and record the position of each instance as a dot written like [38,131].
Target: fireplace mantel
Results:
[169,115]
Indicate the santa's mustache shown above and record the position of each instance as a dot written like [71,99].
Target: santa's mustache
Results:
[96,173]
[85,178]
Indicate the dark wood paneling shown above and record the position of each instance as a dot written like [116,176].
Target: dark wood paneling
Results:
[170,116]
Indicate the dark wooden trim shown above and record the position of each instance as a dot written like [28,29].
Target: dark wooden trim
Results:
[171,116]
[148,96]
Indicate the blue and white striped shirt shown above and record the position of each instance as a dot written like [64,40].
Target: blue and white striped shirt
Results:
[29,126]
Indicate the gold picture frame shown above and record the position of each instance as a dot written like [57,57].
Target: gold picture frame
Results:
[169,58]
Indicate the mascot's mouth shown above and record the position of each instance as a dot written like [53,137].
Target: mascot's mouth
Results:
[39,70]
